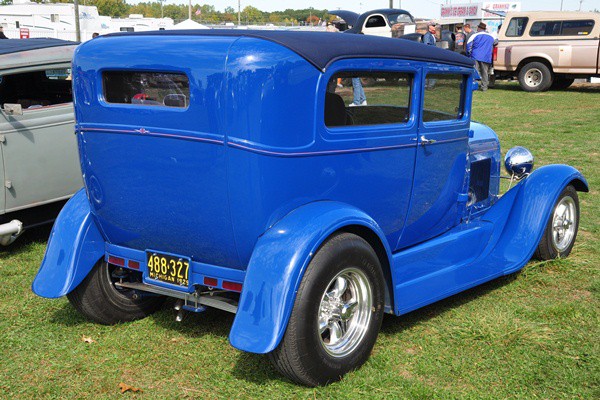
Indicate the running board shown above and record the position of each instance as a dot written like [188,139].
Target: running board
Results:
[191,299]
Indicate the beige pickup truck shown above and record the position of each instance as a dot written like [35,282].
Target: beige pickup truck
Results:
[548,49]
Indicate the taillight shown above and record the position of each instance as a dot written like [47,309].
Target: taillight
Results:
[233,286]
[116,261]
[212,282]
[495,54]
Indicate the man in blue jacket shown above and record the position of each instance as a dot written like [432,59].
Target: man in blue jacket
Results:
[479,48]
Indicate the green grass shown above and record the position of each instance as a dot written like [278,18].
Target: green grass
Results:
[535,334]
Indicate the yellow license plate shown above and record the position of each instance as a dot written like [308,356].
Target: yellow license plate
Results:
[168,268]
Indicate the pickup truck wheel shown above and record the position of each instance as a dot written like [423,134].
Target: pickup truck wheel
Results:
[100,300]
[336,316]
[560,233]
[561,83]
[535,77]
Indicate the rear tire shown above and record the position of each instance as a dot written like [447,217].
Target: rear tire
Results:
[561,83]
[336,316]
[535,77]
[561,230]
[100,300]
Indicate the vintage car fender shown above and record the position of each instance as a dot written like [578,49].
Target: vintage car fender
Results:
[75,246]
[528,208]
[277,266]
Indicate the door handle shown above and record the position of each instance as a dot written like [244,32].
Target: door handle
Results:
[425,141]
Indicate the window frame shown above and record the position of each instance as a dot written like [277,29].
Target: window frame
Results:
[526,19]
[41,68]
[102,92]
[385,132]
[562,21]
[463,98]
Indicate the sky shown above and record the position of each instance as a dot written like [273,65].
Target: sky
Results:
[418,8]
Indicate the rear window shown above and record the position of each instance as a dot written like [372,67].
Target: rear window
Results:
[576,28]
[562,28]
[516,26]
[164,89]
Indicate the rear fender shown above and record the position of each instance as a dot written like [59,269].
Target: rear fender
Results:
[277,266]
[74,247]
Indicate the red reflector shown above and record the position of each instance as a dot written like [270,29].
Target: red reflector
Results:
[233,286]
[133,264]
[116,261]
[495,54]
[210,282]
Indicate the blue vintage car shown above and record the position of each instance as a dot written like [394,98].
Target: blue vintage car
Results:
[228,169]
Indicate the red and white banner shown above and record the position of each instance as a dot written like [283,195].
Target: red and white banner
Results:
[24,33]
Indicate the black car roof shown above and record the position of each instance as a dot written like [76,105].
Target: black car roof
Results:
[8,46]
[323,48]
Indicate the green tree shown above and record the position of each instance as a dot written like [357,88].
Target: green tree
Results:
[252,14]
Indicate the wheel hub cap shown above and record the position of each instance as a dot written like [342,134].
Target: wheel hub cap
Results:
[563,224]
[533,77]
[345,312]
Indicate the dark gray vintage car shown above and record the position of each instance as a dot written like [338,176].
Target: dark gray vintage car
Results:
[39,164]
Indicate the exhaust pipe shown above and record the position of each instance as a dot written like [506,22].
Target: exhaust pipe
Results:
[10,231]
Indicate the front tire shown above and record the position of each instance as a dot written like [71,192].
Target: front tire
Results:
[561,230]
[100,300]
[535,77]
[337,313]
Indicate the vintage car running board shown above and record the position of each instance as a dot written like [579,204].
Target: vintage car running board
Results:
[193,300]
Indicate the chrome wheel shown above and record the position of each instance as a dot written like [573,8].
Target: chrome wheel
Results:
[564,223]
[534,77]
[345,312]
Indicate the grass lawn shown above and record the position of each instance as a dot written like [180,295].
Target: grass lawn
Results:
[535,334]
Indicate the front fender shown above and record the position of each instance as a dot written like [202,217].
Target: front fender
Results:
[525,211]
[277,266]
[74,247]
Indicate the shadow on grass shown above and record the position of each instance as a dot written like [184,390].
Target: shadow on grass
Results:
[35,235]
[392,325]
[576,88]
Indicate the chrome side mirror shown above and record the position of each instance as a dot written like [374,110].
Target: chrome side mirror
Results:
[518,162]
[12,109]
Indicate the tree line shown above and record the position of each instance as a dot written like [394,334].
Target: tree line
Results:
[207,13]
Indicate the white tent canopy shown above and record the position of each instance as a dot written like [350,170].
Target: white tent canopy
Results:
[189,24]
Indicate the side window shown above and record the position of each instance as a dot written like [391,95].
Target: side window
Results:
[577,28]
[516,26]
[545,28]
[37,89]
[146,88]
[368,98]
[444,98]
[375,21]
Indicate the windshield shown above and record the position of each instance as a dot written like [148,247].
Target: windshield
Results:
[400,18]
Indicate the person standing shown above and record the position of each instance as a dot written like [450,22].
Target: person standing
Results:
[2,35]
[429,39]
[459,44]
[468,33]
[480,47]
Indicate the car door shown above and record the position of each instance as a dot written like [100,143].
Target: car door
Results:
[41,162]
[441,158]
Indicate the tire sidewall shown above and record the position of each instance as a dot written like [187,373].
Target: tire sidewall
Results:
[343,251]
[546,248]
[547,77]
[548,234]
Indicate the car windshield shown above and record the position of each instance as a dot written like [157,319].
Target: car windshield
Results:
[400,18]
